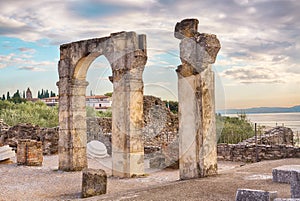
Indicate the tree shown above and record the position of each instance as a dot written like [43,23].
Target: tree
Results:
[52,94]
[3,97]
[172,105]
[17,97]
[24,96]
[46,94]
[7,96]
[108,94]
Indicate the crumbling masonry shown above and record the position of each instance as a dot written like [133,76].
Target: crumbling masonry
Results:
[126,53]
[196,97]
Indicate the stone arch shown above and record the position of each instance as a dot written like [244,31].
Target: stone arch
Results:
[126,53]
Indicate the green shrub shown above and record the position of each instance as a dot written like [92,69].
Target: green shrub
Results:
[37,113]
[234,129]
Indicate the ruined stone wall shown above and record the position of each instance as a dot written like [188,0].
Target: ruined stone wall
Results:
[160,126]
[247,153]
[48,136]
[277,135]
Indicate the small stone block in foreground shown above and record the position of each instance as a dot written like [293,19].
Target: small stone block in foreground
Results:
[282,174]
[30,152]
[295,184]
[94,182]
[249,194]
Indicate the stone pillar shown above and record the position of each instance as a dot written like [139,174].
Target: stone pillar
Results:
[197,131]
[72,132]
[127,115]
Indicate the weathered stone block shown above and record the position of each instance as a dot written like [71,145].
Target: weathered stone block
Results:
[30,152]
[249,195]
[295,184]
[94,182]
[282,174]
[287,199]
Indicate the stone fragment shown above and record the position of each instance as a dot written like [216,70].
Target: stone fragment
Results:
[249,195]
[94,182]
[30,153]
[282,174]
[295,184]
[96,149]
[6,153]
[186,28]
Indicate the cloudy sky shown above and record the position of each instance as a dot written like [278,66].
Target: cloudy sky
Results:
[258,64]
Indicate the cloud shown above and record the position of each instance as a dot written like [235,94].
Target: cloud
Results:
[31,68]
[248,75]
[27,50]
[259,39]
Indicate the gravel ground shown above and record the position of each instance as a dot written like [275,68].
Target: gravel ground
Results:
[47,183]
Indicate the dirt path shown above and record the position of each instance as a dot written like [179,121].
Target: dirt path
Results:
[47,183]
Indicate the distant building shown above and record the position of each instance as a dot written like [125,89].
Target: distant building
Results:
[99,102]
[51,101]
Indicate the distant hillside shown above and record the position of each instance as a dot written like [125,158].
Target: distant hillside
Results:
[262,110]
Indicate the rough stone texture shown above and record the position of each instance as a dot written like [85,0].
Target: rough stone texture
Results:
[94,182]
[287,199]
[30,153]
[126,53]
[197,130]
[282,174]
[99,128]
[277,135]
[160,124]
[168,157]
[247,152]
[295,184]
[48,136]
[249,195]
[160,128]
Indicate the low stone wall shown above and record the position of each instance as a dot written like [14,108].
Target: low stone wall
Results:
[276,135]
[48,136]
[247,153]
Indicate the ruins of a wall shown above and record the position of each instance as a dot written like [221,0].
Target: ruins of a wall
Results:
[277,135]
[247,153]
[160,129]
[276,143]
[48,136]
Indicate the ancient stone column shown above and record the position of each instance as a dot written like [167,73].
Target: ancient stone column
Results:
[72,132]
[127,112]
[197,129]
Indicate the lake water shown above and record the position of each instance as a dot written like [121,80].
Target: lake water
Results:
[291,120]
